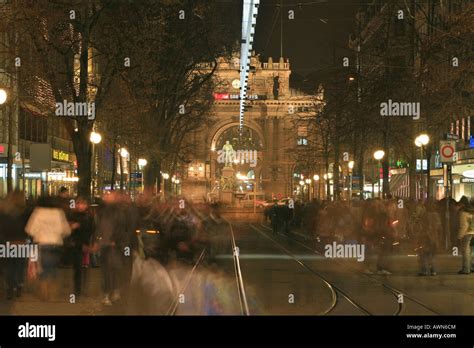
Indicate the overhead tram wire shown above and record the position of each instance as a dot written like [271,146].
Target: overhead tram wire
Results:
[249,21]
[276,13]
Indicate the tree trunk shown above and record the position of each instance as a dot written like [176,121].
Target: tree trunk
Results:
[328,181]
[151,172]
[335,170]
[428,165]
[360,170]
[83,150]
[121,171]
[386,162]
[8,111]
[114,165]
[412,175]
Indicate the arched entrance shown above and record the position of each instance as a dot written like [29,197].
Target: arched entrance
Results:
[241,177]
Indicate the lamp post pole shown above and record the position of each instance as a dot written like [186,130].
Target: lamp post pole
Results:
[378,155]
[421,141]
[95,138]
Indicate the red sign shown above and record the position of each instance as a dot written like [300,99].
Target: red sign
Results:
[2,149]
[221,96]
[381,172]
[447,150]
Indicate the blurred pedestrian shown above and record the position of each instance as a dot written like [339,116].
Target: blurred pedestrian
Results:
[384,237]
[82,230]
[48,227]
[466,232]
[275,217]
[428,239]
[13,217]
[115,229]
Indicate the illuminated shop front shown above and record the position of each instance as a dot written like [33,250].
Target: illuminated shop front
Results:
[63,173]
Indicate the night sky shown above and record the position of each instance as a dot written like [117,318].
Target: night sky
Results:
[309,43]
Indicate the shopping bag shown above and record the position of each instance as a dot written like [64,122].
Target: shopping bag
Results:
[32,273]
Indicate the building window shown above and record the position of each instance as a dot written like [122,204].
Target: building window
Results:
[302,141]
[33,127]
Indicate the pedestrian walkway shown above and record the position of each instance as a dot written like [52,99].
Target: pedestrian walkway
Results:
[62,303]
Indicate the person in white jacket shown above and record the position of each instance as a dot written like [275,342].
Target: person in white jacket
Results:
[466,232]
[48,227]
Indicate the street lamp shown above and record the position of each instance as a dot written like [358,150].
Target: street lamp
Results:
[3,100]
[308,182]
[351,167]
[327,176]
[378,155]
[316,179]
[421,141]
[3,96]
[123,152]
[141,164]
[301,182]
[95,138]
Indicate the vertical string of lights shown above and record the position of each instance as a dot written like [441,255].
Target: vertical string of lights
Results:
[249,20]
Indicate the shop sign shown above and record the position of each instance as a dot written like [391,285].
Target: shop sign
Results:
[33,175]
[60,156]
[230,96]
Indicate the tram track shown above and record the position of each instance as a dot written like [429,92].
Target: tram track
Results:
[402,305]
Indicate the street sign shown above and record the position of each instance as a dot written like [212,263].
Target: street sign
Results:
[449,136]
[447,149]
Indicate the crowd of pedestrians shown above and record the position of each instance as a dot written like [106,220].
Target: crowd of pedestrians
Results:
[148,247]
[385,227]
[125,236]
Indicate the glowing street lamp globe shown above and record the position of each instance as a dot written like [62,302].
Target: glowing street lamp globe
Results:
[142,162]
[95,138]
[378,155]
[315,177]
[422,140]
[123,152]
[3,96]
